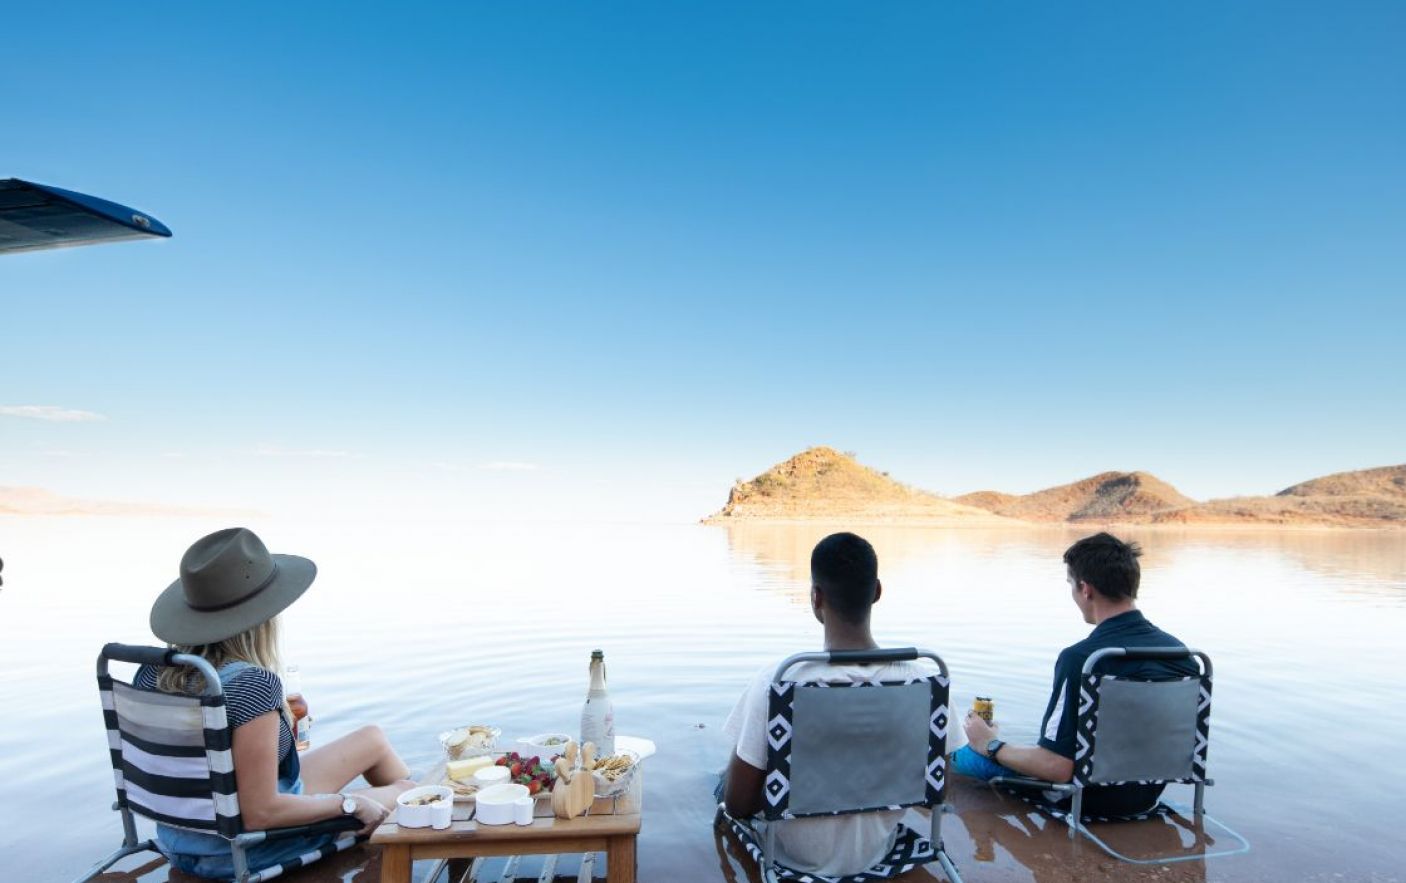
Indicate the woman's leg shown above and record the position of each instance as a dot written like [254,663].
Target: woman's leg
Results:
[364,752]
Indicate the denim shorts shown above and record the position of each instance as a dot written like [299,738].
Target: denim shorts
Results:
[265,855]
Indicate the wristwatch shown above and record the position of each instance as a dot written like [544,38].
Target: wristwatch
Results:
[993,746]
[348,805]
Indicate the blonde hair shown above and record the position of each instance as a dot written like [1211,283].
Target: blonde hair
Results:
[258,646]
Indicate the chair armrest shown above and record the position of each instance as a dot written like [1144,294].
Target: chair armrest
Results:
[327,826]
[1027,782]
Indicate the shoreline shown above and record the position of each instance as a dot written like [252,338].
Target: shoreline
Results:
[1018,524]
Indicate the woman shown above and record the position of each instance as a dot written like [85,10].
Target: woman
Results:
[224,608]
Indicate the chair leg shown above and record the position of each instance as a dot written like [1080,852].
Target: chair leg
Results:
[1076,813]
[117,856]
[1199,807]
[240,861]
[948,868]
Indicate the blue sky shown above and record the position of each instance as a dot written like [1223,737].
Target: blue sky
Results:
[599,259]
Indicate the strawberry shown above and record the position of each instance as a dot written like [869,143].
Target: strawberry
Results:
[515,768]
[502,761]
[534,786]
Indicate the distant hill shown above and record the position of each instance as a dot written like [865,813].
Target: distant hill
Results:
[1364,498]
[824,484]
[1108,496]
[1386,481]
[1323,510]
[37,501]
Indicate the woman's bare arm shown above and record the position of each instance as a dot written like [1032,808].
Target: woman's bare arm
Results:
[256,766]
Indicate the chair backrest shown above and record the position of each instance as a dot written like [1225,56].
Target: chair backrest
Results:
[844,746]
[1144,731]
[171,757]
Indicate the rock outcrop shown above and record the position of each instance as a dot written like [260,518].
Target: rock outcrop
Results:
[1108,496]
[822,484]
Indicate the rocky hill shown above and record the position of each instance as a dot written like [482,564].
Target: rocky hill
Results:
[1293,511]
[1364,498]
[1386,481]
[1108,496]
[822,484]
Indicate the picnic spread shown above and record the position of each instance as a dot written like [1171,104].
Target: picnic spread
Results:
[545,795]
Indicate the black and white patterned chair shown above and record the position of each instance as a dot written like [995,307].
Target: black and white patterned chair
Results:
[172,763]
[840,747]
[1135,731]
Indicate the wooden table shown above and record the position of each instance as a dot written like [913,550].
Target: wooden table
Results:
[611,827]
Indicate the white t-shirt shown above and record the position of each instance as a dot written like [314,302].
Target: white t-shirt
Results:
[827,845]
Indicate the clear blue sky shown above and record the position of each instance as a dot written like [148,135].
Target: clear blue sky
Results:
[516,257]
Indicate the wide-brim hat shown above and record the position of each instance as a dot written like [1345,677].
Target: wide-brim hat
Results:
[229,583]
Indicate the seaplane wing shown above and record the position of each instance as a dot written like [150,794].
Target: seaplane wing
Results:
[35,216]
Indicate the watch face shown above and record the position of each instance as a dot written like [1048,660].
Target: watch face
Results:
[348,805]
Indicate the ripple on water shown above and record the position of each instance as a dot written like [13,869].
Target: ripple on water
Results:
[1305,632]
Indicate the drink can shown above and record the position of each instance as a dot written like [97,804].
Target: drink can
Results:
[984,707]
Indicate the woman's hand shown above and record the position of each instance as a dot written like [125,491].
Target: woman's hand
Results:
[368,812]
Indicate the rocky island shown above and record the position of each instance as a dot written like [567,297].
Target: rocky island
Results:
[822,484]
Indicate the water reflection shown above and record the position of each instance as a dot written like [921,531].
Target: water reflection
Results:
[1363,564]
[1005,834]
[362,863]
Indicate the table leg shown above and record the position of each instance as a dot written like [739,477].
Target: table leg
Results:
[395,864]
[458,868]
[620,859]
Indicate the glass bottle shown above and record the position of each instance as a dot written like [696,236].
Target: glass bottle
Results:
[597,716]
[293,693]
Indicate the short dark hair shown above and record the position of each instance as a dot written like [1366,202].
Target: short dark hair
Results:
[1106,563]
[846,570]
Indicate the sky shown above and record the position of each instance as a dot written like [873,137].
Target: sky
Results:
[565,260]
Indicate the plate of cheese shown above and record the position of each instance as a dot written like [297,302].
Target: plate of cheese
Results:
[467,775]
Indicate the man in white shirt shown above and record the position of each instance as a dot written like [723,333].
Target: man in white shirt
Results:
[844,586]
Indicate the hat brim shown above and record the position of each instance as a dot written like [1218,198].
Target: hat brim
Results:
[176,622]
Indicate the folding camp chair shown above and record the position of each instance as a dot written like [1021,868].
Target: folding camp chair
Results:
[173,764]
[871,746]
[1136,731]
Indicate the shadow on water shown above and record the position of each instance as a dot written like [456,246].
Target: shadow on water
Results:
[1003,838]
[360,863]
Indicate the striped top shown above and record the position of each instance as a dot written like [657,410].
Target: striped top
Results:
[249,694]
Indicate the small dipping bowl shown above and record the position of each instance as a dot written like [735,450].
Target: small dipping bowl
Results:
[522,810]
[430,815]
[529,746]
[497,804]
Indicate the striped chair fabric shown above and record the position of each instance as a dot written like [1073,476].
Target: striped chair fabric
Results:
[171,758]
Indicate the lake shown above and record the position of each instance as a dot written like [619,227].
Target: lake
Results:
[419,627]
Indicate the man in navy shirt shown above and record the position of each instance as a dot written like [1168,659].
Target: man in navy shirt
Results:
[1103,578]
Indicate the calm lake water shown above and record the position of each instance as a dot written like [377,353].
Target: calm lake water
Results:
[419,627]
